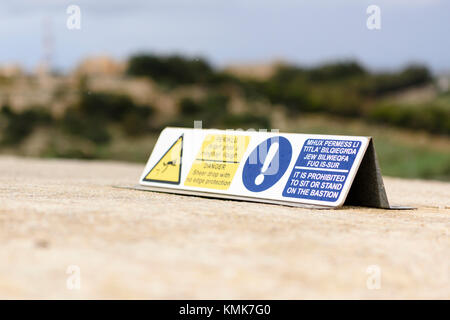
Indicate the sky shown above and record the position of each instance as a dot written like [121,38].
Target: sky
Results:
[231,32]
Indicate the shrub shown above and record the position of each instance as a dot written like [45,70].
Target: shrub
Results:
[110,107]
[384,83]
[211,109]
[189,107]
[433,118]
[336,71]
[20,125]
[246,120]
[293,94]
[96,111]
[171,70]
[90,128]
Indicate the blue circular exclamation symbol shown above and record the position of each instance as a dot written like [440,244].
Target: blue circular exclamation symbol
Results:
[267,164]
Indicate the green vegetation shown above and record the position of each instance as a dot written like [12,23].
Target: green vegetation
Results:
[431,117]
[20,125]
[403,160]
[383,83]
[171,70]
[214,112]
[320,99]
[346,89]
[91,120]
[95,112]
[343,88]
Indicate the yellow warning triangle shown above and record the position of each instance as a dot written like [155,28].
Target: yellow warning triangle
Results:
[168,168]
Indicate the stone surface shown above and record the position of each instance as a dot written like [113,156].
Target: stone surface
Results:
[133,244]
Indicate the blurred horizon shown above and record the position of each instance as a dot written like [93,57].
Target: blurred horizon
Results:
[235,32]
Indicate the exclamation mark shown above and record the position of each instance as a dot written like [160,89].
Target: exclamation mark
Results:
[270,155]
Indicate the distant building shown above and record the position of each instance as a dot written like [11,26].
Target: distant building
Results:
[100,66]
[443,82]
[255,71]
[11,70]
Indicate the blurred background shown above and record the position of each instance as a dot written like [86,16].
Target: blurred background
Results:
[101,79]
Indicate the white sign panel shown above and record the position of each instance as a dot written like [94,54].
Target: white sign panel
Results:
[282,168]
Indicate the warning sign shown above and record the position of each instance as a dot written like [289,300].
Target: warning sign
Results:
[321,169]
[168,168]
[217,161]
[309,170]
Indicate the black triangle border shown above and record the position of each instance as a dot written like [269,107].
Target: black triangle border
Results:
[181,163]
